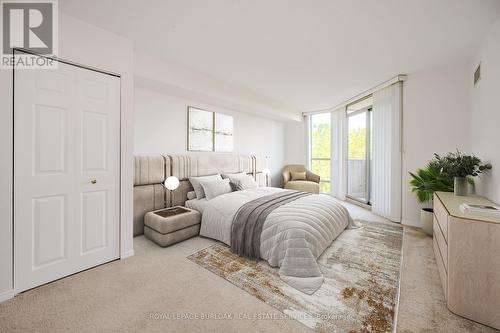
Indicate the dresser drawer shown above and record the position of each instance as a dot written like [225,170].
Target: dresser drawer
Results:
[441,243]
[441,215]
[443,276]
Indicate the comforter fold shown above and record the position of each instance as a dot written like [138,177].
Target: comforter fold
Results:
[249,220]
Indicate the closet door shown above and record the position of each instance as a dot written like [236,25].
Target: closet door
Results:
[66,172]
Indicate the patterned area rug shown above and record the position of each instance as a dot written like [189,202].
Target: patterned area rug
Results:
[359,294]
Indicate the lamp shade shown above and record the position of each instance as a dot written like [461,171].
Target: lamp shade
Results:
[266,172]
[171,183]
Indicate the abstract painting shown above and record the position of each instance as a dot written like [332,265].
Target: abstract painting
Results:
[200,130]
[223,133]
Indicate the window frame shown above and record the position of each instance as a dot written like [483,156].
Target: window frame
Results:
[311,158]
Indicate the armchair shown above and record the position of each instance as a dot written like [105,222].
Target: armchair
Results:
[310,184]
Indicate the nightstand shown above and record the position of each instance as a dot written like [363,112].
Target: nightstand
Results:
[171,225]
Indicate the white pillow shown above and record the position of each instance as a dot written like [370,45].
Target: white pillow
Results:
[191,195]
[244,183]
[195,182]
[215,188]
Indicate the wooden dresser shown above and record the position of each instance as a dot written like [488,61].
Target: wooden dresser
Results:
[467,250]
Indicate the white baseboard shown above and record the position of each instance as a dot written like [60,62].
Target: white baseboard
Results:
[6,295]
[127,254]
[411,223]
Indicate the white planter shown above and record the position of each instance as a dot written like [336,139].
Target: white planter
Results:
[426,218]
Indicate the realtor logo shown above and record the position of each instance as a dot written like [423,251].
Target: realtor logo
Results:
[32,26]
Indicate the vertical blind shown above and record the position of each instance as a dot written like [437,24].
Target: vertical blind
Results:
[385,179]
[386,154]
[339,153]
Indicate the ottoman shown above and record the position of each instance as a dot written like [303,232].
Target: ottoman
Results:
[171,225]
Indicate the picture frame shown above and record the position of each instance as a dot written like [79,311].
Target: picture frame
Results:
[209,131]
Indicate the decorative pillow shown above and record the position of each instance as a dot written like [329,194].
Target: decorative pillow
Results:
[191,195]
[196,182]
[298,175]
[215,188]
[244,183]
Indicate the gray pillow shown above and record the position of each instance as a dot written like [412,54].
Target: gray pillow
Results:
[215,188]
[234,175]
[191,195]
[195,182]
[244,183]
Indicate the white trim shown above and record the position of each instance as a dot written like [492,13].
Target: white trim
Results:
[6,295]
[307,134]
[127,254]
[411,223]
[396,79]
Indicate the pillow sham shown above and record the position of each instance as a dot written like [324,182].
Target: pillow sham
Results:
[196,183]
[215,188]
[298,175]
[191,195]
[244,183]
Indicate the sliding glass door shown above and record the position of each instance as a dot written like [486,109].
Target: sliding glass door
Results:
[359,151]
[320,149]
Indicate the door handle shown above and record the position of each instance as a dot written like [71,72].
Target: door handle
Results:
[93,181]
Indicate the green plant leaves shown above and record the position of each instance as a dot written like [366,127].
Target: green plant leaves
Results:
[439,173]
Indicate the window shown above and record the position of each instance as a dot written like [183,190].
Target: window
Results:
[359,150]
[320,149]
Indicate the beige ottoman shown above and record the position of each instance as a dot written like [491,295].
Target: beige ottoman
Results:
[171,225]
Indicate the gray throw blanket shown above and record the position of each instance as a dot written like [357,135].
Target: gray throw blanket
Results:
[249,219]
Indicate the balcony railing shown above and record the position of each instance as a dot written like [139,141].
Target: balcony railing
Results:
[356,178]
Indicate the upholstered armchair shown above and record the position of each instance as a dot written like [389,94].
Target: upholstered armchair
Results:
[297,177]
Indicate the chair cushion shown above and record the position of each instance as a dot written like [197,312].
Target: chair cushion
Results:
[298,175]
[303,185]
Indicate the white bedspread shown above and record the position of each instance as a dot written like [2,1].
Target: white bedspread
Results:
[304,227]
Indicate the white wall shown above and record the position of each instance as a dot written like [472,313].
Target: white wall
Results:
[161,127]
[92,46]
[485,112]
[435,114]
[295,143]
[184,82]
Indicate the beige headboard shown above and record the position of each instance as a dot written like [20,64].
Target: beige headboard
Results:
[151,172]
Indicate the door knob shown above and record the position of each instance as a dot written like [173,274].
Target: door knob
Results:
[93,181]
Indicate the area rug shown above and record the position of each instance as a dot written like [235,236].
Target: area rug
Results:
[359,294]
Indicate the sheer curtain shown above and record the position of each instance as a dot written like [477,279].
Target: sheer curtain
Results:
[386,152]
[339,153]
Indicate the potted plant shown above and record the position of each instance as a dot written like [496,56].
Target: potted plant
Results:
[462,168]
[425,182]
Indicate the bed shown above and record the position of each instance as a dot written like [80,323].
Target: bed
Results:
[293,235]
[288,229]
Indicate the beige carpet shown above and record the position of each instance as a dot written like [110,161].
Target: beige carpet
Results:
[137,294]
[361,276]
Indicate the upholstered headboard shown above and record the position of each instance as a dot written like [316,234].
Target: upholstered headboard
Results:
[151,172]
